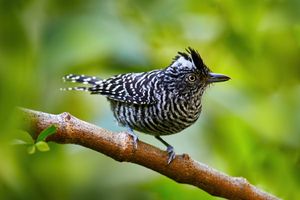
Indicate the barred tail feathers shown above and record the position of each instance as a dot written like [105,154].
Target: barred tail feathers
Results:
[91,80]
[76,88]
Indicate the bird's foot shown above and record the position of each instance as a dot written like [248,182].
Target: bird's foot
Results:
[134,137]
[170,149]
[171,154]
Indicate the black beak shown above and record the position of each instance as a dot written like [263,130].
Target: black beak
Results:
[213,77]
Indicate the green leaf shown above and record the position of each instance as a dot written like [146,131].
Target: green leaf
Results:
[19,142]
[45,133]
[31,149]
[42,146]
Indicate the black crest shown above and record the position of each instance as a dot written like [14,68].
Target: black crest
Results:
[196,58]
[193,56]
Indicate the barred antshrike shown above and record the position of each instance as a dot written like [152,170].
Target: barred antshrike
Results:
[158,102]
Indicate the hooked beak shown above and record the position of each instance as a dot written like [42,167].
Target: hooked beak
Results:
[213,77]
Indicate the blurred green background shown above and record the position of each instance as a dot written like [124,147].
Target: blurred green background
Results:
[250,126]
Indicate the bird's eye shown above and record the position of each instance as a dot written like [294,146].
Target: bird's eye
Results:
[191,78]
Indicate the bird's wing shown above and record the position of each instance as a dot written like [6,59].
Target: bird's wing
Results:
[136,88]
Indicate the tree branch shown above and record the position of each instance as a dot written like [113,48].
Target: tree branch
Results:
[119,147]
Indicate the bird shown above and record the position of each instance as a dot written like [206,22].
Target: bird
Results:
[159,102]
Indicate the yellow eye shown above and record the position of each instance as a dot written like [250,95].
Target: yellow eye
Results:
[191,78]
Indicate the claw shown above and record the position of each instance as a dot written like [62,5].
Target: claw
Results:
[171,154]
[170,149]
[134,137]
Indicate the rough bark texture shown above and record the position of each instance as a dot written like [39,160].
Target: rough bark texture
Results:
[119,147]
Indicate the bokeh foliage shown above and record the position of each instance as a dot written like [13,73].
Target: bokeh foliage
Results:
[250,126]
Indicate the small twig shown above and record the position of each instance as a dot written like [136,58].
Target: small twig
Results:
[119,147]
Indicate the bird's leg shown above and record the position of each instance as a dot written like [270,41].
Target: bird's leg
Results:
[133,135]
[170,149]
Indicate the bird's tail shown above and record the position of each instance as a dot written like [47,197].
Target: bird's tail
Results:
[89,80]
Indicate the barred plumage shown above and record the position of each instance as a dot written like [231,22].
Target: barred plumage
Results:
[159,102]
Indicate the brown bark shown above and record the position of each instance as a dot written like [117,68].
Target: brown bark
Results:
[119,147]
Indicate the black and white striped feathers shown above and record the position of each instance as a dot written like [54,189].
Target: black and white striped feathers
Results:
[133,88]
[158,102]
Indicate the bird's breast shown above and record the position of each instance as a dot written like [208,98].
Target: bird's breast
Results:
[168,116]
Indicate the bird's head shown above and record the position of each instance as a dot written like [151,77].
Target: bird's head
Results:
[187,74]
